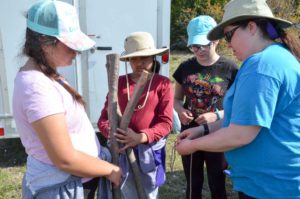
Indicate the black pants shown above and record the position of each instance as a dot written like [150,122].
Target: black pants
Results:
[215,164]
[90,187]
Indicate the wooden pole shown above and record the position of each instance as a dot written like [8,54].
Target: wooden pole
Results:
[125,120]
[112,67]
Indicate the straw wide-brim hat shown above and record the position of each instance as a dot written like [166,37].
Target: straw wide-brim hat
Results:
[140,44]
[239,10]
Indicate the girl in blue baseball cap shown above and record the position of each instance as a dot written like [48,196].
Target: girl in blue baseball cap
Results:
[201,83]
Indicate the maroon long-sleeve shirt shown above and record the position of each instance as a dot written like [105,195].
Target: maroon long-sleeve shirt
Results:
[155,119]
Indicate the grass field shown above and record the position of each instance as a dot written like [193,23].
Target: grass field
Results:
[13,158]
[12,167]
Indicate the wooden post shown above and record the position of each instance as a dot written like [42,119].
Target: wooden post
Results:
[125,120]
[112,67]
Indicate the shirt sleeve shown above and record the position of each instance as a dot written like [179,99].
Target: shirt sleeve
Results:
[164,114]
[41,99]
[255,100]
[177,75]
[103,122]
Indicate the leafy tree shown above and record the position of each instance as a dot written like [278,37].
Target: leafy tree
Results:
[183,11]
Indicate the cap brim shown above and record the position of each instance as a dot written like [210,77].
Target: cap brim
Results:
[198,39]
[77,41]
[143,53]
[217,32]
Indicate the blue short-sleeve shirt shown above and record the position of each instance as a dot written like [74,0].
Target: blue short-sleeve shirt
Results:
[266,93]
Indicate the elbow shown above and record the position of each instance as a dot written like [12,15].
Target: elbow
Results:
[243,141]
[242,135]
[65,162]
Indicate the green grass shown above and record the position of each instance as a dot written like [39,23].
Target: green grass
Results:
[10,182]
[12,170]
[175,185]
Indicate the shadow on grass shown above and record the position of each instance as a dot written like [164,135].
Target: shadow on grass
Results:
[12,153]
[174,187]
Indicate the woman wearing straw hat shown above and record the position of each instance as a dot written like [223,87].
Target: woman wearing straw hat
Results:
[261,127]
[63,150]
[151,121]
[201,83]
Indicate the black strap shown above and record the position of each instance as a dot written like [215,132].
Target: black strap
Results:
[206,129]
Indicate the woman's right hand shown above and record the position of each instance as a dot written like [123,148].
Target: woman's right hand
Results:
[115,176]
[190,134]
[185,116]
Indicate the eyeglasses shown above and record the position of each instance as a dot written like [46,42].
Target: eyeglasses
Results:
[229,34]
[196,47]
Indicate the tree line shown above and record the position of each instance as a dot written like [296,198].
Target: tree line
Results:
[183,11]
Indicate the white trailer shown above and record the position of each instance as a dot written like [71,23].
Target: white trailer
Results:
[107,22]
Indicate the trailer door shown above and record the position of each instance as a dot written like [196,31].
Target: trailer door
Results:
[109,22]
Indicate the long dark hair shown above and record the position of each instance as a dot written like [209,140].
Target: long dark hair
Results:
[272,31]
[33,48]
[156,64]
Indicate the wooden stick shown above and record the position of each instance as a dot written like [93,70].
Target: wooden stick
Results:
[112,67]
[125,120]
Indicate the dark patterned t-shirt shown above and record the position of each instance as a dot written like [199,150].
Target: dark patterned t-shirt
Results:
[205,86]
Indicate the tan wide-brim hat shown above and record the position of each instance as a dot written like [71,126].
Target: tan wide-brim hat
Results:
[239,10]
[140,44]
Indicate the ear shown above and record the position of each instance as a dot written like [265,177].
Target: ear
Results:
[215,42]
[252,27]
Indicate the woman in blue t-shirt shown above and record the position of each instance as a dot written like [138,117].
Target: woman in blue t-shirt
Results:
[260,132]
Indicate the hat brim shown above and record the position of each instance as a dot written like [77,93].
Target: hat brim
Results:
[217,32]
[143,53]
[77,41]
[198,39]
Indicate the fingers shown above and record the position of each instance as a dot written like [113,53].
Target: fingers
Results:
[123,148]
[186,117]
[200,120]
[121,131]
[115,177]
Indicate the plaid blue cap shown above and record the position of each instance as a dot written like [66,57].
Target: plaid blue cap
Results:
[60,20]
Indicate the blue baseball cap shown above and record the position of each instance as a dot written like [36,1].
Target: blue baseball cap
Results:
[58,19]
[198,28]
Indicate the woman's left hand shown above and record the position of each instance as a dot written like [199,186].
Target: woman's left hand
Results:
[206,118]
[129,138]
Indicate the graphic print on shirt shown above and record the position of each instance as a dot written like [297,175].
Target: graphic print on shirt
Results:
[203,93]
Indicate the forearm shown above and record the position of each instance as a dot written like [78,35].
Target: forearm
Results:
[178,105]
[61,152]
[226,139]
[214,126]
[83,165]
[199,130]
[158,131]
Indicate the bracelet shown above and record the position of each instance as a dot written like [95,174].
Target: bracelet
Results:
[218,114]
[206,129]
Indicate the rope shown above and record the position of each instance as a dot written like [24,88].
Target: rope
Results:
[148,90]
[173,157]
